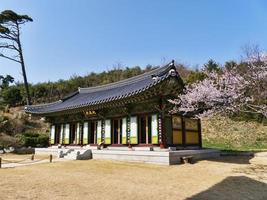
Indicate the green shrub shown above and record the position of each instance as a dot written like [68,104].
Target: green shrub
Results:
[29,134]
[34,140]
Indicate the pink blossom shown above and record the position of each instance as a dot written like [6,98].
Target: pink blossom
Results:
[241,89]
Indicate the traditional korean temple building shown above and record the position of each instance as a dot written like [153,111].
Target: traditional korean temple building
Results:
[132,112]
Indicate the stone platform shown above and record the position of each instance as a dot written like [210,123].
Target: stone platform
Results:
[154,157]
[157,156]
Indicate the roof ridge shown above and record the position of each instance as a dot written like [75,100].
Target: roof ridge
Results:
[70,95]
[42,105]
[160,70]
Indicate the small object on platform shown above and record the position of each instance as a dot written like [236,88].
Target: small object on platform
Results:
[172,148]
[100,145]
[0,162]
[50,158]
[186,159]
[61,154]
[32,157]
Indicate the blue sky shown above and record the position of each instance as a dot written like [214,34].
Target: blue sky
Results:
[70,37]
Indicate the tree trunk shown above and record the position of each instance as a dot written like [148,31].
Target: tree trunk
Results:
[28,97]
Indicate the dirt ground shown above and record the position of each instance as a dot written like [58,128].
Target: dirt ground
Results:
[223,178]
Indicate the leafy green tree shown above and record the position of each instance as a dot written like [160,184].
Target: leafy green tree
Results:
[5,81]
[212,66]
[229,65]
[195,76]
[10,31]
[12,96]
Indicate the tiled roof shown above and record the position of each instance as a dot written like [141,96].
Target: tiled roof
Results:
[86,97]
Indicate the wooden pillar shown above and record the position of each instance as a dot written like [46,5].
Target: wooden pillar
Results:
[146,129]
[163,136]
[81,132]
[128,130]
[103,130]
[161,123]
[119,131]
[95,135]
[139,129]
[112,135]
[160,131]
[183,132]
[199,133]
[74,133]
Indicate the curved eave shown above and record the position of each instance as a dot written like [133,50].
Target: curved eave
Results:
[100,96]
[89,105]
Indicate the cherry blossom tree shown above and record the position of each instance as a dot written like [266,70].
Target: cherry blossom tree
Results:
[237,88]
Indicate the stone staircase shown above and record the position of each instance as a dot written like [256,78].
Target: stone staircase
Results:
[75,154]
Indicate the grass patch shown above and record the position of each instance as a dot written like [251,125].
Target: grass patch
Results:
[234,147]
[226,134]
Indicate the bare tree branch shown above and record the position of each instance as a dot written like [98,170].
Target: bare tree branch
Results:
[7,46]
[9,58]
[4,36]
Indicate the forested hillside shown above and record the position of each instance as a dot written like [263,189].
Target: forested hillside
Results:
[14,94]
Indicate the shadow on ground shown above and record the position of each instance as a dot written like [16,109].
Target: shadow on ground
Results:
[232,159]
[234,188]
